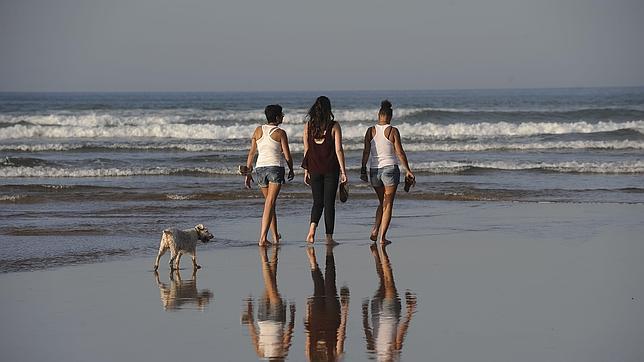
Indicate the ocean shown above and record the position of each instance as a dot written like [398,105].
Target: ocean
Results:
[90,176]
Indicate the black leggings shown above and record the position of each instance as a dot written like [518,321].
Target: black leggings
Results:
[324,187]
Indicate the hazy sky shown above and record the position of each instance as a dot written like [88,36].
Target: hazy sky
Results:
[219,45]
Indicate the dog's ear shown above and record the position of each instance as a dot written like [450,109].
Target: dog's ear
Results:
[199,227]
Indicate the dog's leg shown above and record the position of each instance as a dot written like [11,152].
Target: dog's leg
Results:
[162,251]
[194,261]
[173,257]
[179,254]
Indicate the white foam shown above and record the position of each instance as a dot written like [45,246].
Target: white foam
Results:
[625,167]
[11,198]
[350,131]
[296,146]
[7,172]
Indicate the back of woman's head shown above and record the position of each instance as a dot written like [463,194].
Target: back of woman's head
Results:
[320,116]
[272,112]
[385,109]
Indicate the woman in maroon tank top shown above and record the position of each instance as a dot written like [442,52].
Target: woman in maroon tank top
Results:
[323,164]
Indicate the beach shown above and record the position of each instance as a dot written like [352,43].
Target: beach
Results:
[485,281]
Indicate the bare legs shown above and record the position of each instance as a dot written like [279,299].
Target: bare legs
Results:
[386,196]
[269,218]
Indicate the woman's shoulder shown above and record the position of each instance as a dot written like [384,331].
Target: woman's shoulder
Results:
[257,134]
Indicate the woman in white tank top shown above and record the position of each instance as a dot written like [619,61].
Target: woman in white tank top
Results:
[382,146]
[271,143]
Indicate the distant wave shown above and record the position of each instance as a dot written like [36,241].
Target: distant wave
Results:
[454,167]
[447,146]
[450,167]
[111,172]
[241,131]
[143,118]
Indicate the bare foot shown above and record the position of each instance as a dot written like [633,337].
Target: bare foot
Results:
[264,243]
[277,238]
[374,235]
[310,238]
[330,240]
[384,241]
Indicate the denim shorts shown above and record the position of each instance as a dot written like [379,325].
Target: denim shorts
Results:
[385,176]
[274,174]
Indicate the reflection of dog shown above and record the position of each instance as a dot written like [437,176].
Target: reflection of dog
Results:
[182,292]
[182,241]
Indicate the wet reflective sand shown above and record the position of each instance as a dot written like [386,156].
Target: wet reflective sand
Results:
[484,282]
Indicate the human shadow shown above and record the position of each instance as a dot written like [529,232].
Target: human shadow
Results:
[326,316]
[182,294]
[270,334]
[386,332]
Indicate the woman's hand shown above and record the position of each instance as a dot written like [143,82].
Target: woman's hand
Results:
[307,177]
[343,178]
[247,180]
[410,175]
[363,174]
[291,175]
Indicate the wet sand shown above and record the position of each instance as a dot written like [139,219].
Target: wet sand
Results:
[461,281]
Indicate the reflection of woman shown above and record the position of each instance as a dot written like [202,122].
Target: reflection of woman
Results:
[323,164]
[271,142]
[326,316]
[383,147]
[270,335]
[386,335]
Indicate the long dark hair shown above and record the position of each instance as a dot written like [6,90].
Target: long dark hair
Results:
[320,117]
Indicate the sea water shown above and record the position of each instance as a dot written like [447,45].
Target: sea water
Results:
[85,176]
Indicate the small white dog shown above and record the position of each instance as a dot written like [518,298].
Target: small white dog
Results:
[180,242]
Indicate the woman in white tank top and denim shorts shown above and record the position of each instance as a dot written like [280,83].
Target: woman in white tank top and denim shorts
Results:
[271,143]
[382,146]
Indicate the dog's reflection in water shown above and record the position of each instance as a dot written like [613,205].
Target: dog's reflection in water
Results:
[270,334]
[387,332]
[182,294]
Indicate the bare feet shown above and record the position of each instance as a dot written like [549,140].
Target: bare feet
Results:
[310,238]
[384,241]
[277,238]
[264,242]
[330,240]
[373,237]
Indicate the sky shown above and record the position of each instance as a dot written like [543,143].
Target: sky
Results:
[243,45]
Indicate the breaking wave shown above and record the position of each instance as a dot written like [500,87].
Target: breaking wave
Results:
[351,131]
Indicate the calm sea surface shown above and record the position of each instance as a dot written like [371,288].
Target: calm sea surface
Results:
[85,176]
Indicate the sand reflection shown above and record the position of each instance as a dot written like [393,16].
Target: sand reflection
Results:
[326,314]
[182,294]
[269,333]
[386,332]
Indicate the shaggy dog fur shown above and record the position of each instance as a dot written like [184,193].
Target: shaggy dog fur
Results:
[180,242]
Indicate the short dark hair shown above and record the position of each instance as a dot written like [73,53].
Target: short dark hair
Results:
[272,111]
[385,108]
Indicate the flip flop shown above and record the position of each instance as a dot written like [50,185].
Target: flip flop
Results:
[409,182]
[344,192]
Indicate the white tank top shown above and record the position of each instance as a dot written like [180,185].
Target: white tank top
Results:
[382,150]
[270,151]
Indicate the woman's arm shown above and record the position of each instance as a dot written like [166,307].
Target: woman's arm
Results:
[305,137]
[251,157]
[400,152]
[287,154]
[366,151]
[339,151]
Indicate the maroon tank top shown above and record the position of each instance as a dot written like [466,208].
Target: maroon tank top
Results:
[321,158]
